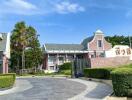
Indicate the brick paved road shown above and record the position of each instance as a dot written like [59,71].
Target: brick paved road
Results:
[41,88]
[47,89]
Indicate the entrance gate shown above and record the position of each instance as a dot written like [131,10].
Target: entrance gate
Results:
[78,67]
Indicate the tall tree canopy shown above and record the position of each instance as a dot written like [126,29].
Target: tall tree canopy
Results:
[119,40]
[25,47]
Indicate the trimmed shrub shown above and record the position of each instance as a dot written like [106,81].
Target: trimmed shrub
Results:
[66,72]
[65,69]
[122,81]
[100,73]
[7,80]
[66,66]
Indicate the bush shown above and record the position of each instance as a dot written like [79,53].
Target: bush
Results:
[65,69]
[101,73]
[122,81]
[66,66]
[7,80]
[65,72]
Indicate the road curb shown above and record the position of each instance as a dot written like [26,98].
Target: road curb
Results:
[20,85]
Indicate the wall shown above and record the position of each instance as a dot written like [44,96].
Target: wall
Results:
[5,64]
[109,62]
[119,50]
[93,44]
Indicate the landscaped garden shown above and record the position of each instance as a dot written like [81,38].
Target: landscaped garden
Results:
[64,70]
[7,80]
[121,78]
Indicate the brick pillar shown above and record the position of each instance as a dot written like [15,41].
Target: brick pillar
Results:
[6,66]
[3,65]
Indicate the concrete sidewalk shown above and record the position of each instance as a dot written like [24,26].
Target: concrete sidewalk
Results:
[20,85]
[94,91]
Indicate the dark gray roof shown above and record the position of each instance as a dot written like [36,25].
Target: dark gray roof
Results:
[3,42]
[64,47]
[85,41]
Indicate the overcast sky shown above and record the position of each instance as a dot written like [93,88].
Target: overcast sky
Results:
[68,21]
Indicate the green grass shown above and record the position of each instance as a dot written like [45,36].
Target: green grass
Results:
[7,80]
[62,73]
[126,66]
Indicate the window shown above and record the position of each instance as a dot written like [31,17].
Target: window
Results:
[99,43]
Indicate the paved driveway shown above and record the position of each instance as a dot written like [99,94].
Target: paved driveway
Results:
[56,89]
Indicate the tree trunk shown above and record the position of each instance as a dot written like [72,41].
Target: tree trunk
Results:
[23,60]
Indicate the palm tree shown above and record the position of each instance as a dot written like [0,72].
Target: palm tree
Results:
[19,40]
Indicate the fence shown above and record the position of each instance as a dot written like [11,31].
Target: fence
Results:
[79,65]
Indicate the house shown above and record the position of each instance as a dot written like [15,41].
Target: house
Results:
[91,47]
[4,52]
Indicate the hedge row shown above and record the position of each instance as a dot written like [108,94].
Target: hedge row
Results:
[122,81]
[65,72]
[101,73]
[7,80]
[65,66]
[121,78]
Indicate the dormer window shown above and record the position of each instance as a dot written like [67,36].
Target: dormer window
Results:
[99,43]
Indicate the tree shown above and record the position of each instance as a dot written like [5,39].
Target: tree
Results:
[119,40]
[24,40]
[18,41]
[34,50]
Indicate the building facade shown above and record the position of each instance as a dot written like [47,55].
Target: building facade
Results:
[91,47]
[4,52]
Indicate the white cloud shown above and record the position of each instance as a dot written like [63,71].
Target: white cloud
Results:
[17,7]
[67,7]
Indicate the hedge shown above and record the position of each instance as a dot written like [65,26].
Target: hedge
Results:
[7,80]
[122,81]
[66,66]
[100,73]
[65,72]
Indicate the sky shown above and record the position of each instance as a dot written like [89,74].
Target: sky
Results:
[68,21]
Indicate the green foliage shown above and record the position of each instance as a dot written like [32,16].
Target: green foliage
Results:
[66,66]
[25,47]
[126,66]
[118,40]
[122,81]
[65,72]
[65,69]
[7,80]
[100,73]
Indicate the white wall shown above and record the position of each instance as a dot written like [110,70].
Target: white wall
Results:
[7,50]
[123,49]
